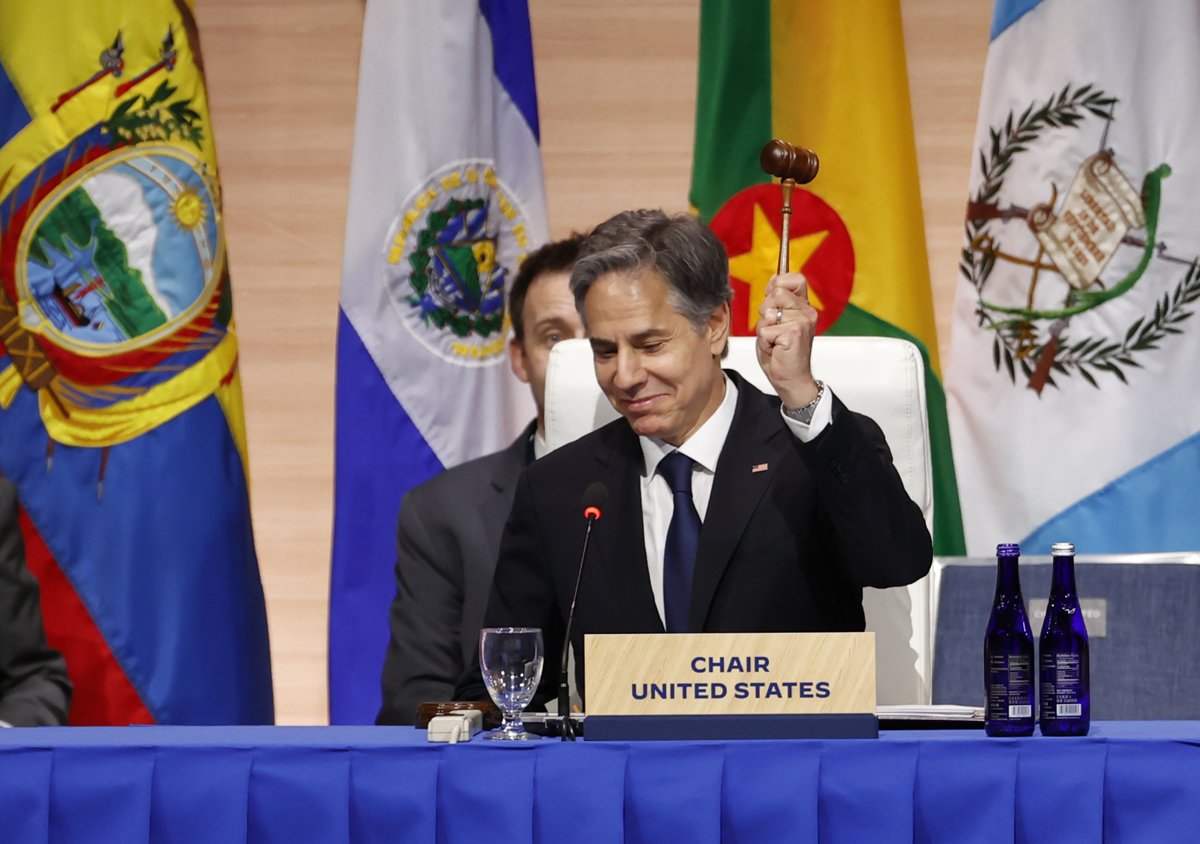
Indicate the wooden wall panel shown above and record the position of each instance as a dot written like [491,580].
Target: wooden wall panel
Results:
[282,77]
[617,88]
[946,42]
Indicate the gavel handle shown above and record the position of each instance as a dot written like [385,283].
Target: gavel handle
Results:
[787,185]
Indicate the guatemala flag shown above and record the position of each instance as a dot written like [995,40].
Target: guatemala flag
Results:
[1073,377]
[446,198]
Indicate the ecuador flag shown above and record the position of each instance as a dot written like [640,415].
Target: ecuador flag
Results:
[120,401]
[830,77]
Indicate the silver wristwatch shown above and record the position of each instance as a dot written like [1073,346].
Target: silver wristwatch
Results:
[805,414]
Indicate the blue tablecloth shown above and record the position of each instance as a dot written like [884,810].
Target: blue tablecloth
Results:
[1127,782]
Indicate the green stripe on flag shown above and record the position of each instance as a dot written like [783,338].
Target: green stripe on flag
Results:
[948,537]
[733,100]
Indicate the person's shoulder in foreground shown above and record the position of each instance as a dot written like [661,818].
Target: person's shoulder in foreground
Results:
[34,689]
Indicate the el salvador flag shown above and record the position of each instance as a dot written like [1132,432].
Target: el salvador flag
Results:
[446,197]
[1073,378]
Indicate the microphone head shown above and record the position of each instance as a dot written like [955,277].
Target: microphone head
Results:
[593,500]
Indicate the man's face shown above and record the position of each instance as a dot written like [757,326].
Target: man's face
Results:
[550,316]
[658,371]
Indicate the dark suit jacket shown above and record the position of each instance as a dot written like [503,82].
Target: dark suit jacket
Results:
[34,690]
[783,548]
[447,544]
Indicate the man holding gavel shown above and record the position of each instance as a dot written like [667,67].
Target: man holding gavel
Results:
[728,510]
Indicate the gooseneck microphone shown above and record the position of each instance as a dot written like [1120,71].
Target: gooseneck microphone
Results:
[592,502]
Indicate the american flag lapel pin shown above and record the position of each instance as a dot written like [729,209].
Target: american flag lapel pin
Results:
[758,467]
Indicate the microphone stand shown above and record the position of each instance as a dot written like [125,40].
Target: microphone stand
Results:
[569,728]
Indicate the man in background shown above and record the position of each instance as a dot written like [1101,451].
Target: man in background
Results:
[34,689]
[449,528]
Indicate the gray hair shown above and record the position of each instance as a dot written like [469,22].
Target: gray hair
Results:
[680,248]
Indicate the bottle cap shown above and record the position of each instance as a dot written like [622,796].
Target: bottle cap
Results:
[1008,549]
[1062,549]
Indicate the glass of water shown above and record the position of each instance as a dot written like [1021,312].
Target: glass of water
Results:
[511,661]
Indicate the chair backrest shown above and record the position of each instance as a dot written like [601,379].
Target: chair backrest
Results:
[1143,629]
[881,377]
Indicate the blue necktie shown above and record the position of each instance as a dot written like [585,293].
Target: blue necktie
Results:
[683,539]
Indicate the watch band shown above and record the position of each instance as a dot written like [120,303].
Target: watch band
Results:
[805,414]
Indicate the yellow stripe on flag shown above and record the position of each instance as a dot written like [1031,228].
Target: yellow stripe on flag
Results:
[30,32]
[840,87]
[129,419]
[76,33]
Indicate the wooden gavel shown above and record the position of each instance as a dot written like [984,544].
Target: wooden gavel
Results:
[793,166]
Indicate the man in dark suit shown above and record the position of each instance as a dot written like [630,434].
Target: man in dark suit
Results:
[449,529]
[728,510]
[34,689]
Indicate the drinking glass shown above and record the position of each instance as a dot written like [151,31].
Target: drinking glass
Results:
[511,661]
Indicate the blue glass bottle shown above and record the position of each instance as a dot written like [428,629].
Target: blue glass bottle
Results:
[1066,705]
[1008,653]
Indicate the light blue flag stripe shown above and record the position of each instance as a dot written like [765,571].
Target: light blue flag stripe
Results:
[1008,12]
[1151,508]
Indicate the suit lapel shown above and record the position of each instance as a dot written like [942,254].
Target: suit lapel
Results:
[754,451]
[621,548]
[494,507]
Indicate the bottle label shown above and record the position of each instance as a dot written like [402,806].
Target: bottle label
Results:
[1061,684]
[1010,687]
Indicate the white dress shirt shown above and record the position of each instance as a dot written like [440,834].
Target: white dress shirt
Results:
[704,448]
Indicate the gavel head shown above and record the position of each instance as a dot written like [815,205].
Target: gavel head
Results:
[787,161]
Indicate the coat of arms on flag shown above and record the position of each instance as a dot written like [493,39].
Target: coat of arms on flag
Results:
[1067,245]
[116,258]
[457,239]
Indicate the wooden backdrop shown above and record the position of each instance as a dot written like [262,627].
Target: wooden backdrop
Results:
[616,84]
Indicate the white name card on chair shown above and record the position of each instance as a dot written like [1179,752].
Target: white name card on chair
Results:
[730,674]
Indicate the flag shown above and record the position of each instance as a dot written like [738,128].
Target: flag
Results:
[1074,381]
[120,401]
[446,198]
[828,77]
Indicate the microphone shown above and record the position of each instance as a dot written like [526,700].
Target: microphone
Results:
[592,502]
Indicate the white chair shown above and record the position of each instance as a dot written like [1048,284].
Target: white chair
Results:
[881,377]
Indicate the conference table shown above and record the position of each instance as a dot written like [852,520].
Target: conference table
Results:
[1127,781]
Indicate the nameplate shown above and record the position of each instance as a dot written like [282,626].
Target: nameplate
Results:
[730,673]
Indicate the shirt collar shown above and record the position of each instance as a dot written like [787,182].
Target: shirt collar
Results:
[704,446]
[538,444]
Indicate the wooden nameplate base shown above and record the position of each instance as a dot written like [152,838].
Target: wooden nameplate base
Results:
[730,686]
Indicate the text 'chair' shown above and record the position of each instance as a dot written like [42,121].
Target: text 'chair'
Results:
[881,377]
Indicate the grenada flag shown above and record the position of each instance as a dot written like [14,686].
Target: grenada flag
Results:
[120,402]
[830,77]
